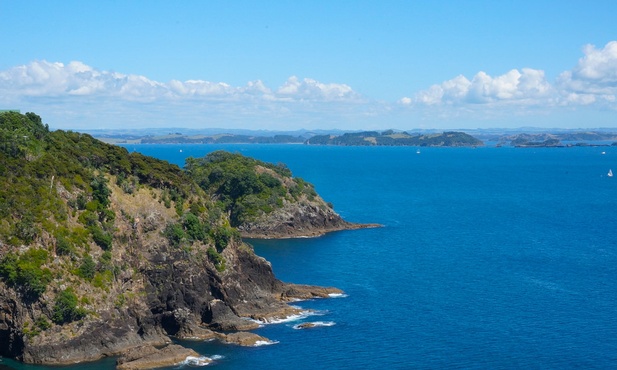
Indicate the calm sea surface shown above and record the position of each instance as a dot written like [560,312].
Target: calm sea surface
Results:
[488,258]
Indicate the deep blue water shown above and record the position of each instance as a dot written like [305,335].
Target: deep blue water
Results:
[488,258]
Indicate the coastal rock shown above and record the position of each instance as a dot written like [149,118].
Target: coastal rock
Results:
[296,291]
[224,319]
[148,357]
[305,325]
[302,219]
[244,339]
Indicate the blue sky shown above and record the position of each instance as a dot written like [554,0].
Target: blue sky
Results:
[311,64]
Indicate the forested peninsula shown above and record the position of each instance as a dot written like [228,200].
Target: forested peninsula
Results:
[392,138]
[105,252]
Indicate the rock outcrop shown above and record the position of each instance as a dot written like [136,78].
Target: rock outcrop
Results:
[299,219]
[149,357]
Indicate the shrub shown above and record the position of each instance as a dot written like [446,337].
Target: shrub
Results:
[216,258]
[102,280]
[26,271]
[174,233]
[42,323]
[101,238]
[65,308]
[63,246]
[194,228]
[87,269]
[222,235]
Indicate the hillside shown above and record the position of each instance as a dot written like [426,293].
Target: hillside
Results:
[392,138]
[264,200]
[102,250]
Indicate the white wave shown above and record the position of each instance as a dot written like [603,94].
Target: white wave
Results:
[290,318]
[295,317]
[338,295]
[199,361]
[260,343]
[314,324]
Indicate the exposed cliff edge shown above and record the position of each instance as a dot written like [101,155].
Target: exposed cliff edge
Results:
[102,250]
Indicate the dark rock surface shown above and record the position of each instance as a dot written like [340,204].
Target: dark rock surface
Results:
[302,219]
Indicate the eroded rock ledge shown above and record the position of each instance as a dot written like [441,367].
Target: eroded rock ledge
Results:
[302,219]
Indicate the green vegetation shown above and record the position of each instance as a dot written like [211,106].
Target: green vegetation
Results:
[246,187]
[37,165]
[65,308]
[216,258]
[26,271]
[56,212]
[87,268]
[392,138]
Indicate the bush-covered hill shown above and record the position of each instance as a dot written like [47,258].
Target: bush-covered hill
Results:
[245,187]
[264,200]
[102,250]
[392,138]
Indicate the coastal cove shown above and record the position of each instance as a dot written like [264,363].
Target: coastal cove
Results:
[488,258]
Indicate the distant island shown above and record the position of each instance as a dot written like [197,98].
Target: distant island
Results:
[520,138]
[548,140]
[392,138]
[364,138]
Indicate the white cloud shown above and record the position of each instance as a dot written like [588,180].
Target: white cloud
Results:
[77,94]
[310,89]
[43,78]
[593,79]
[58,87]
[524,87]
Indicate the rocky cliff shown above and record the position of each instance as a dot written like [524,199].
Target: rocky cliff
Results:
[102,250]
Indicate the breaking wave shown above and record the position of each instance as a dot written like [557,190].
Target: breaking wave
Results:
[192,361]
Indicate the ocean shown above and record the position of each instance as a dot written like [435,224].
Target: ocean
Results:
[488,258]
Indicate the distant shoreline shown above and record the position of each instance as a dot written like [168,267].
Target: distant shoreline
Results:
[520,139]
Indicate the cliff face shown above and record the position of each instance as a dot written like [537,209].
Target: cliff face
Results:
[102,251]
[163,291]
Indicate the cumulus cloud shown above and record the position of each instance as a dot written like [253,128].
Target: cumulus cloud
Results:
[45,79]
[315,90]
[593,79]
[514,86]
[61,88]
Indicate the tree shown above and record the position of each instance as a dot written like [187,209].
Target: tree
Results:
[87,268]
[65,308]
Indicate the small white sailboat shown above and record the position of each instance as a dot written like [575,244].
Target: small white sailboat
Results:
[610,173]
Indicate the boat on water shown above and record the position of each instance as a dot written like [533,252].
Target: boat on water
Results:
[610,173]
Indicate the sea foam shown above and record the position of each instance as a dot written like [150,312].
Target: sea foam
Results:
[193,361]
